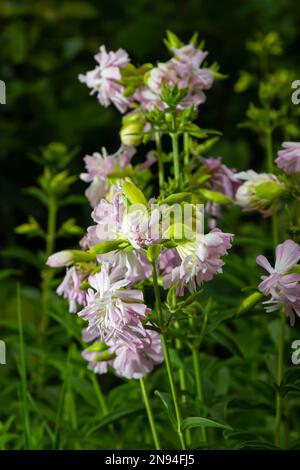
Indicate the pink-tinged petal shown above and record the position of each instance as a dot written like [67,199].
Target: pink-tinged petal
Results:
[287,255]
[264,263]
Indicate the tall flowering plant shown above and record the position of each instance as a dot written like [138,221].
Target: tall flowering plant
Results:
[142,238]
[138,279]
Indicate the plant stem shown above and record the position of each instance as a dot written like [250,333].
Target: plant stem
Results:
[182,381]
[176,162]
[99,395]
[161,174]
[279,379]
[269,150]
[175,149]
[167,357]
[150,414]
[186,146]
[198,376]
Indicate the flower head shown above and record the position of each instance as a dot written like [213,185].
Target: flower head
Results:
[99,166]
[289,158]
[105,78]
[201,260]
[283,286]
[222,180]
[184,71]
[258,192]
[70,288]
[137,357]
[110,306]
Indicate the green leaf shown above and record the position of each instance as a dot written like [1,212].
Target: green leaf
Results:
[110,245]
[197,421]
[116,416]
[168,404]
[215,196]
[133,193]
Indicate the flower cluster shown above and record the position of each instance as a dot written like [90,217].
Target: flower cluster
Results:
[183,70]
[128,239]
[105,78]
[223,180]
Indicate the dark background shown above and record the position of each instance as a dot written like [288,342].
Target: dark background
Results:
[46,44]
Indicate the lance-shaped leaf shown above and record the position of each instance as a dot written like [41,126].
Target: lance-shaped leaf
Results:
[110,245]
[215,196]
[133,193]
[197,421]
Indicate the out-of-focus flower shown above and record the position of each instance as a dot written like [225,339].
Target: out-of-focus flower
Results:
[184,71]
[137,358]
[201,260]
[60,259]
[284,287]
[222,180]
[260,191]
[100,166]
[105,78]
[96,363]
[70,288]
[289,158]
[109,305]
[167,261]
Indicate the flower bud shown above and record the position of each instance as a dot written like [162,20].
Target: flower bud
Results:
[69,257]
[249,302]
[259,191]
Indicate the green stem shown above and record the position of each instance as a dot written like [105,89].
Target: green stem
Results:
[269,150]
[167,357]
[161,173]
[182,381]
[279,379]
[150,414]
[99,395]
[186,146]
[175,149]
[176,162]
[198,376]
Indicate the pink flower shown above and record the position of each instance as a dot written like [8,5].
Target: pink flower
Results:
[289,158]
[137,358]
[201,260]
[93,357]
[167,261]
[247,197]
[99,167]
[283,287]
[109,305]
[70,288]
[184,70]
[222,180]
[105,78]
